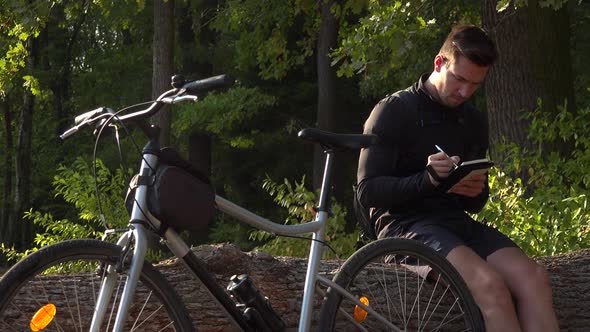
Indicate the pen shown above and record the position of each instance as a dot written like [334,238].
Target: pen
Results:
[446,155]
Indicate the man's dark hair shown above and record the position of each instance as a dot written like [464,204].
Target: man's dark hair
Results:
[471,42]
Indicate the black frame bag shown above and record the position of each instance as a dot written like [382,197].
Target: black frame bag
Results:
[179,195]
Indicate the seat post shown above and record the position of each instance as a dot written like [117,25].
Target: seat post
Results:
[326,189]
[317,246]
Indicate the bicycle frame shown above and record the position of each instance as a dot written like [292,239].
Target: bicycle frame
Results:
[142,222]
[136,238]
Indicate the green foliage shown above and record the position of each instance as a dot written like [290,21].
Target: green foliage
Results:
[75,185]
[231,116]
[277,36]
[226,229]
[549,214]
[387,28]
[387,44]
[10,64]
[502,5]
[263,29]
[299,203]
[19,21]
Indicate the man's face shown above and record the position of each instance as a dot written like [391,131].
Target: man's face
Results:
[459,80]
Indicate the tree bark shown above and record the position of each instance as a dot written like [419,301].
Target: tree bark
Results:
[199,155]
[60,86]
[163,62]
[281,279]
[326,111]
[19,231]
[534,62]
[7,174]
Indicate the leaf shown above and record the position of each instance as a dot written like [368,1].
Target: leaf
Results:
[502,5]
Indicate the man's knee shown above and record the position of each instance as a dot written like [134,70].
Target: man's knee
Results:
[490,290]
[534,281]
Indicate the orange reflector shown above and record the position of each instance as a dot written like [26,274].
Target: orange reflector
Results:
[359,313]
[42,317]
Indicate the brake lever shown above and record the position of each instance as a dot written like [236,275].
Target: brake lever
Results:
[87,119]
[179,99]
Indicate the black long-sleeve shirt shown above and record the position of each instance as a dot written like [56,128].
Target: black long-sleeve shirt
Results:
[392,177]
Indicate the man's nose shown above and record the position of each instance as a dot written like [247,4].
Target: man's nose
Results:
[466,90]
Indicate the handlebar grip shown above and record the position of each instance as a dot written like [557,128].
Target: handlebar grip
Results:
[83,117]
[211,83]
[69,133]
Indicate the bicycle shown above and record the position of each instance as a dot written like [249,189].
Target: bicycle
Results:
[389,284]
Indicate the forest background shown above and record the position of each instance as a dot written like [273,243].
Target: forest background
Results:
[298,64]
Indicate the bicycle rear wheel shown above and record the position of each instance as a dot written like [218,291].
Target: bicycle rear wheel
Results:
[408,284]
[55,289]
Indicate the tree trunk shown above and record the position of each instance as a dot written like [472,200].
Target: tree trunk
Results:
[22,193]
[163,61]
[534,62]
[61,84]
[326,112]
[7,174]
[199,155]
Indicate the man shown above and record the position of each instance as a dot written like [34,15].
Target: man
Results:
[398,178]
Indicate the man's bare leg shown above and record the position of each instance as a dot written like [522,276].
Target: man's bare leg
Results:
[530,285]
[488,289]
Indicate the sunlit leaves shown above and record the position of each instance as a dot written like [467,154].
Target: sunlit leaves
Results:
[548,214]
[502,5]
[380,37]
[10,65]
[32,84]
[76,185]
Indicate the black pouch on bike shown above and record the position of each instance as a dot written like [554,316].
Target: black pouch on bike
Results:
[179,195]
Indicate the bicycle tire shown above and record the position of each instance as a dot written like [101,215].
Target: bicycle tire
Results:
[377,271]
[31,285]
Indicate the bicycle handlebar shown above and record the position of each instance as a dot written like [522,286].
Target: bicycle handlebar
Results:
[182,92]
[207,84]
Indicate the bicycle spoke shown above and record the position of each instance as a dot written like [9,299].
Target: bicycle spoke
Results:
[114,302]
[417,298]
[167,326]
[78,302]
[69,308]
[430,301]
[10,326]
[141,311]
[429,295]
[149,316]
[395,268]
[388,301]
[143,308]
[57,286]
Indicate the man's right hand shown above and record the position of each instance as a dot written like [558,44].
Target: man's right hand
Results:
[442,165]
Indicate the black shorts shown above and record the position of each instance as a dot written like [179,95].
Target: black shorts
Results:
[445,236]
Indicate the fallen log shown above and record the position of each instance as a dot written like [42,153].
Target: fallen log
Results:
[281,280]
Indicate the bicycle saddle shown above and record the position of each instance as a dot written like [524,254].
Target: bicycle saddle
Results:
[332,141]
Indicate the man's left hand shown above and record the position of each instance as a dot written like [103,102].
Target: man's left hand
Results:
[470,187]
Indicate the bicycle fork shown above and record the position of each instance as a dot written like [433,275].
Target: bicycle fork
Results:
[137,237]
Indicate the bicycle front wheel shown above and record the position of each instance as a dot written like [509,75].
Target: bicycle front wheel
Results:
[55,289]
[408,284]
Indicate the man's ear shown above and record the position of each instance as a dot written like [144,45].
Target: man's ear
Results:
[439,61]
